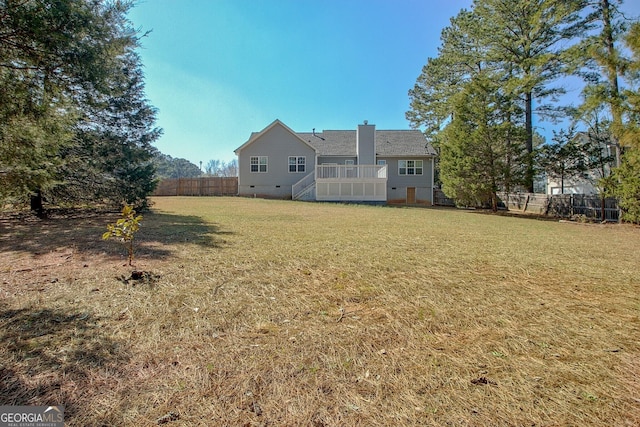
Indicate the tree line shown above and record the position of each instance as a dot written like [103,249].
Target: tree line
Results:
[168,167]
[503,61]
[75,126]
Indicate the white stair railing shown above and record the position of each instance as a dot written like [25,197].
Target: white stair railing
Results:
[300,187]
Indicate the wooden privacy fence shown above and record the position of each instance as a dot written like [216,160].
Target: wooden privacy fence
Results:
[563,205]
[205,186]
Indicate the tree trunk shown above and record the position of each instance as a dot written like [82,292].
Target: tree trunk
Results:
[36,204]
[612,75]
[494,202]
[509,176]
[529,129]
[612,69]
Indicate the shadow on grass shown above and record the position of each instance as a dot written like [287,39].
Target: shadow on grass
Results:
[482,211]
[515,214]
[83,233]
[171,229]
[50,356]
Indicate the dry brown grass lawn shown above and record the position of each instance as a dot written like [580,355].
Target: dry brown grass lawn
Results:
[275,313]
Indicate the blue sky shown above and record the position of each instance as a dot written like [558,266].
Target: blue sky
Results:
[218,70]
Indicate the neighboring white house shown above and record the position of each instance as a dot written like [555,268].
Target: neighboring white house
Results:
[571,186]
[362,165]
[587,183]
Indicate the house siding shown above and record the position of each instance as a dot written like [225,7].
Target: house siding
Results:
[277,144]
[366,144]
[339,160]
[586,184]
[571,186]
[363,146]
[397,184]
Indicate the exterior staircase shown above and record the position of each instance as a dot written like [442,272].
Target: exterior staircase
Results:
[305,189]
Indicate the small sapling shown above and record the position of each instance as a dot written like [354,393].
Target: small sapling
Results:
[125,229]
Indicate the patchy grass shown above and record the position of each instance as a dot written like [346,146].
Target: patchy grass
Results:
[260,312]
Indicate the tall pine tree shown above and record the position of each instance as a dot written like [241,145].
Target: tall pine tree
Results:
[66,67]
[522,43]
[481,147]
[111,157]
[626,178]
[461,56]
[527,38]
[46,50]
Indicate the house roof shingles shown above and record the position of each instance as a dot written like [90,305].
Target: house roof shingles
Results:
[390,143]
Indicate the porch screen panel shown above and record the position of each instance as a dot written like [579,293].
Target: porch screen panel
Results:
[322,189]
[369,189]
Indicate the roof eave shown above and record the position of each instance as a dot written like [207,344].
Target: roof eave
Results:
[407,155]
[256,136]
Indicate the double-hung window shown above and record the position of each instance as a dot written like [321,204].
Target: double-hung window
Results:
[297,163]
[258,164]
[410,167]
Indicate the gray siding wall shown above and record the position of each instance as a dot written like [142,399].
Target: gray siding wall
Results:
[422,183]
[277,144]
[336,160]
[366,144]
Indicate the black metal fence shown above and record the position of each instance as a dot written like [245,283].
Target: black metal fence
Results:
[590,206]
[439,198]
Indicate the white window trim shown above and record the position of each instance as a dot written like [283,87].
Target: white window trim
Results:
[415,167]
[266,164]
[297,164]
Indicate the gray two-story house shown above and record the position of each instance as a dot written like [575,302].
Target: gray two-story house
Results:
[362,165]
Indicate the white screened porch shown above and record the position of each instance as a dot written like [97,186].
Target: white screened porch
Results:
[333,182]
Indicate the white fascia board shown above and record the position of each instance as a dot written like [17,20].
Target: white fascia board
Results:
[267,129]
